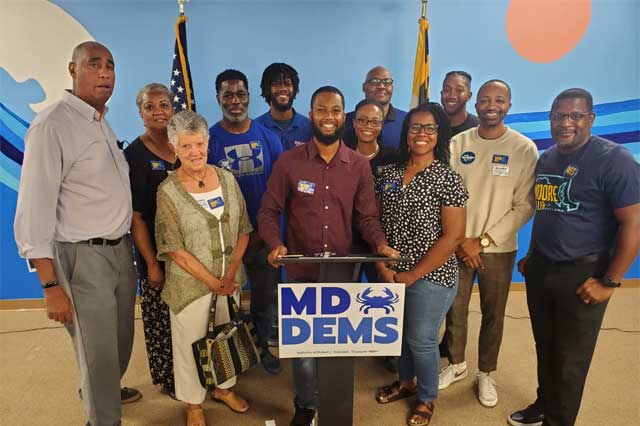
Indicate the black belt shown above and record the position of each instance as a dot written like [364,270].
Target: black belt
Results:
[101,242]
[590,258]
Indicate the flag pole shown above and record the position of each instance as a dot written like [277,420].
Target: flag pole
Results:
[424,8]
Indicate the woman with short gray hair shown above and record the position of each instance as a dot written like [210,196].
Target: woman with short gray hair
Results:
[150,158]
[202,230]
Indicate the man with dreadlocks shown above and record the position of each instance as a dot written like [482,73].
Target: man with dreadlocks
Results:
[279,88]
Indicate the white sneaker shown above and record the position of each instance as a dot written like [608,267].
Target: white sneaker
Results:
[452,373]
[487,394]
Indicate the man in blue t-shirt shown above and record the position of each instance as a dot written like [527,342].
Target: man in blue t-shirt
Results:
[279,87]
[586,234]
[378,86]
[248,150]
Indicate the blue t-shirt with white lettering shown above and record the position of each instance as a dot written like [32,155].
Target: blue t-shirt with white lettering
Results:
[249,156]
[576,195]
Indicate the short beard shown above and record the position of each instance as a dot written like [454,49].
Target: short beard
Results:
[283,108]
[235,118]
[326,139]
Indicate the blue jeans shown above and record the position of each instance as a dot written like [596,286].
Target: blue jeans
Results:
[426,304]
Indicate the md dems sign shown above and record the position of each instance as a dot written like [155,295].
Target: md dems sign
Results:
[331,320]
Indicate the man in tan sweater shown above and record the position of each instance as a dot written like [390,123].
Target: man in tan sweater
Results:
[497,164]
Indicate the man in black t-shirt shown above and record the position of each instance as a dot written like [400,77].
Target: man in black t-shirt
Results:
[455,93]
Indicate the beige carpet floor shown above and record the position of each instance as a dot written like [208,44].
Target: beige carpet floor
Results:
[38,378]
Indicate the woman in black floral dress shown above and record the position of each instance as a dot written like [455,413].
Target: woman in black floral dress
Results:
[150,159]
[423,215]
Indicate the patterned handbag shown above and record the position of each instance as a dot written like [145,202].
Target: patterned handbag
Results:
[227,350]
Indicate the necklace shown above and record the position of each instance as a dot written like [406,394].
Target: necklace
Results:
[200,182]
[373,154]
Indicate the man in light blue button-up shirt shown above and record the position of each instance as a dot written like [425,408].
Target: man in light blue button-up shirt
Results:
[72,219]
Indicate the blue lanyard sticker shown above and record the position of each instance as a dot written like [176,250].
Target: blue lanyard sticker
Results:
[306,187]
[215,203]
[157,165]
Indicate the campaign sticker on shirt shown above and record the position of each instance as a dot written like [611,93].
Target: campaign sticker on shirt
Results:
[501,170]
[390,186]
[298,143]
[254,144]
[214,203]
[468,157]
[500,159]
[157,165]
[306,187]
[570,171]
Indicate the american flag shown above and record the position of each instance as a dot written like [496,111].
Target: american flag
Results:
[181,86]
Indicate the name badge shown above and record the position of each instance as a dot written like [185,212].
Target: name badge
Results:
[215,203]
[501,170]
[157,165]
[306,187]
[390,186]
[500,159]
[298,143]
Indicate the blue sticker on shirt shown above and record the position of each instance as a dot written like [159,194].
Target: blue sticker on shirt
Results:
[215,203]
[157,165]
[306,187]
[500,159]
[390,186]
[468,157]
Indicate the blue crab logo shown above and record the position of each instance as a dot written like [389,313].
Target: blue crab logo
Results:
[377,302]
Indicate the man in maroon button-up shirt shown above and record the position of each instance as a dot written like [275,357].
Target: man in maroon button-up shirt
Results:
[323,187]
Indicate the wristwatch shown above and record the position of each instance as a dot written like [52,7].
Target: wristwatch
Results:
[608,282]
[485,241]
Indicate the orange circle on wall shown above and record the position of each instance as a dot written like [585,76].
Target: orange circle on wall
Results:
[546,30]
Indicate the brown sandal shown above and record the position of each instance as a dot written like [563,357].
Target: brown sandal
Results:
[195,417]
[232,400]
[421,414]
[394,392]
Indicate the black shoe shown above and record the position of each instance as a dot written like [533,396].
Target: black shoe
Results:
[391,364]
[128,395]
[273,335]
[303,417]
[444,349]
[270,363]
[530,416]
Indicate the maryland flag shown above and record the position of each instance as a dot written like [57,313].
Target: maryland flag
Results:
[181,85]
[420,90]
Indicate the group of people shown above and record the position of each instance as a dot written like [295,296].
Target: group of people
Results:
[208,208]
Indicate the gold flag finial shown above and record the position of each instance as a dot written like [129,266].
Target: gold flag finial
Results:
[424,8]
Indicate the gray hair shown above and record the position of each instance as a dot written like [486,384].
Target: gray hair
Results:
[158,88]
[186,121]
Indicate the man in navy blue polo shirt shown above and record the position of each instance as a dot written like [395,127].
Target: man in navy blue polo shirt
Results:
[378,86]
[279,88]
[248,150]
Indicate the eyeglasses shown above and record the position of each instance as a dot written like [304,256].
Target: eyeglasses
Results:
[429,129]
[386,82]
[242,96]
[574,116]
[364,121]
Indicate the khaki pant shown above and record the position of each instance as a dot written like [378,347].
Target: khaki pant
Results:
[494,282]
